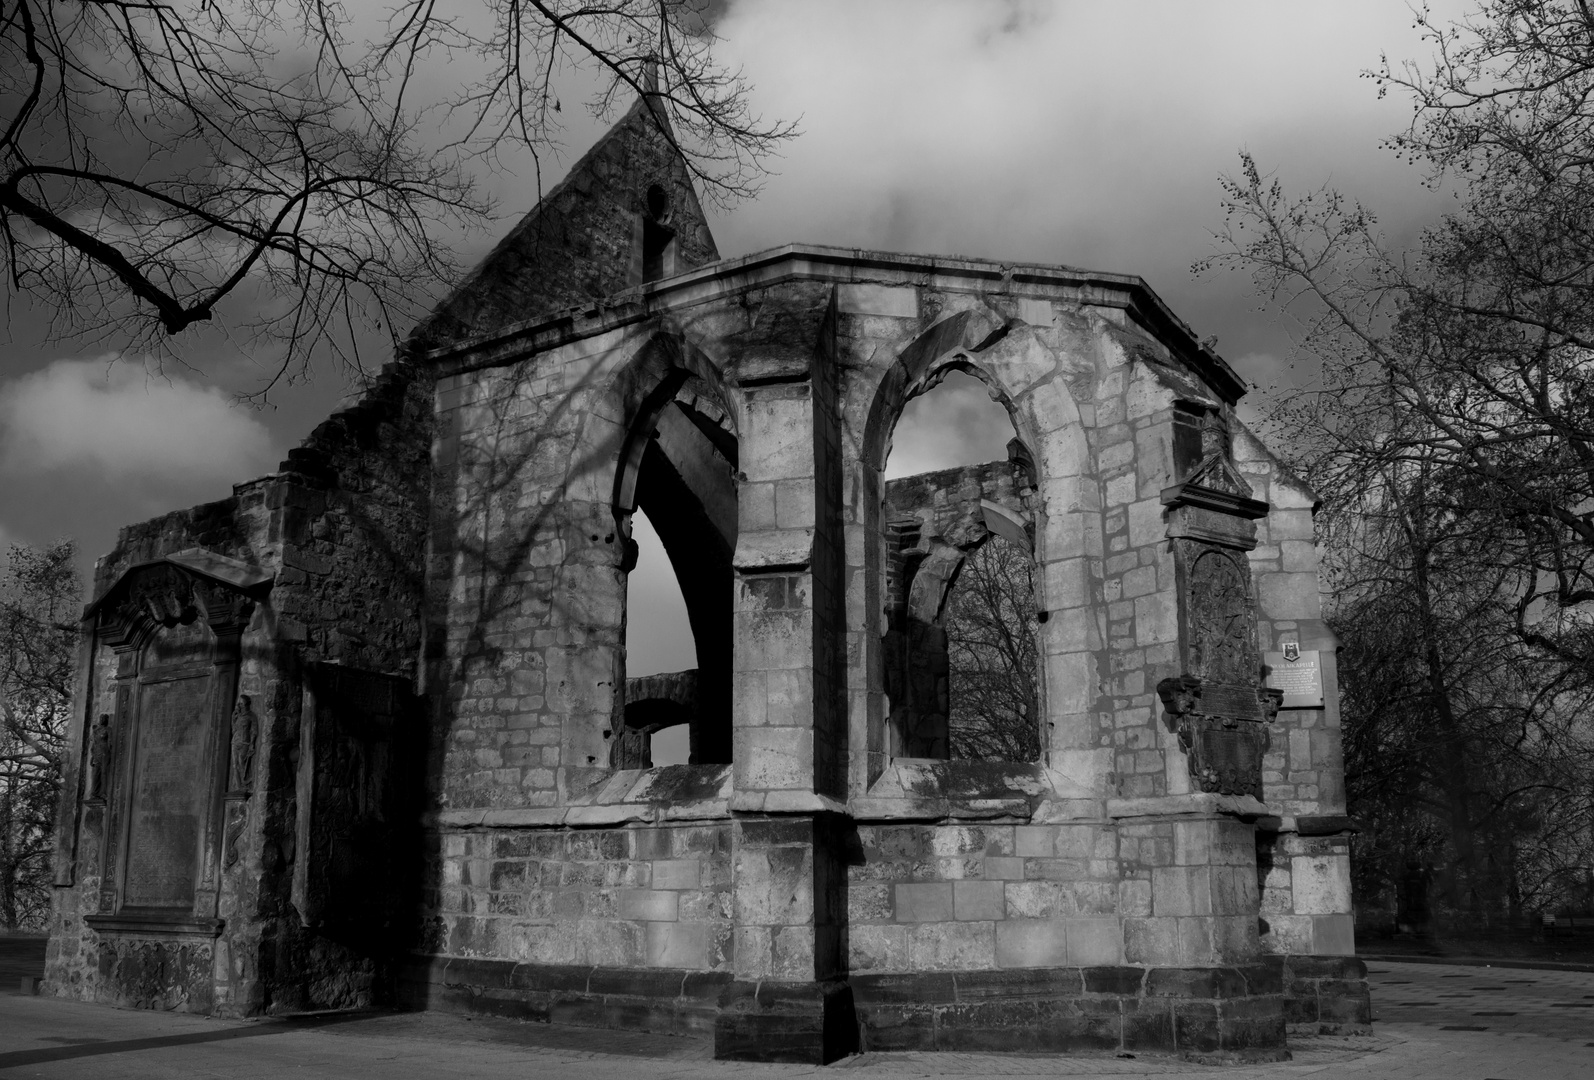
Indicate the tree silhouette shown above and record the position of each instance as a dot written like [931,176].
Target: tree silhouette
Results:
[992,653]
[288,171]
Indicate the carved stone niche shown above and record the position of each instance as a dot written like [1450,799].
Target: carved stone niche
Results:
[162,758]
[1218,705]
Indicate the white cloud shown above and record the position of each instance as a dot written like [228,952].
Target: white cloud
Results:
[126,425]
[954,424]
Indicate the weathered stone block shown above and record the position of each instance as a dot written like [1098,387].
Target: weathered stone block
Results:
[978,900]
[678,945]
[931,902]
[1320,884]
[1031,943]
[651,905]
[1181,890]
[1094,941]
[951,946]
[677,873]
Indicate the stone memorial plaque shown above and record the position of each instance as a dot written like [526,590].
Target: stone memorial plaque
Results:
[1300,678]
[1236,701]
[169,787]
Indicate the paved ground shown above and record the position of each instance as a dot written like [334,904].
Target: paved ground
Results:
[1433,1023]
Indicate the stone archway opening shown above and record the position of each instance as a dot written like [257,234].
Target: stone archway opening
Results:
[960,647]
[679,506]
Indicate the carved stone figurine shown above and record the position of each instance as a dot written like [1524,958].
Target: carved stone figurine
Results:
[241,774]
[99,756]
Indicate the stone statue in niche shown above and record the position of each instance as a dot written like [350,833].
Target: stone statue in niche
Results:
[241,770]
[1222,621]
[99,757]
[237,818]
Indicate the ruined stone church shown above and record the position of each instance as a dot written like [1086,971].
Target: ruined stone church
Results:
[362,733]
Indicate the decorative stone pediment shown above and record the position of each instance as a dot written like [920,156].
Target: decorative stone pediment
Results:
[1212,501]
[175,590]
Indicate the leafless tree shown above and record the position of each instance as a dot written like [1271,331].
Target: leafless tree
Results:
[287,171]
[1453,441]
[1473,351]
[992,656]
[39,603]
[1466,749]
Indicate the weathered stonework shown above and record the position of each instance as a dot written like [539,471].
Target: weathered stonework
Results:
[416,774]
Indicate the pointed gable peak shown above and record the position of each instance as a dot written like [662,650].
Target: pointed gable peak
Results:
[626,213]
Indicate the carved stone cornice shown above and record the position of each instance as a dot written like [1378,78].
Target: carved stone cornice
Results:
[176,590]
[1194,493]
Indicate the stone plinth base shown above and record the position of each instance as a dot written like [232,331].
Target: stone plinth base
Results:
[1229,1014]
[1203,1014]
[633,999]
[806,1023]
[1326,995]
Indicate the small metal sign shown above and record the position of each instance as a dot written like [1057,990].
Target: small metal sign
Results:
[1297,672]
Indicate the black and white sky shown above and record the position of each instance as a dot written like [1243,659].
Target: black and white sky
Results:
[1081,133]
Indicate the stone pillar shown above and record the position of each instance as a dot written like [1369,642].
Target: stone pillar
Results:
[787,1002]
[1202,852]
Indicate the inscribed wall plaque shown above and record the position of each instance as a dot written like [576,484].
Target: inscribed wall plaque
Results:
[168,794]
[1301,679]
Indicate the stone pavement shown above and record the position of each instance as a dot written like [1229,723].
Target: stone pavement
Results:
[1433,1023]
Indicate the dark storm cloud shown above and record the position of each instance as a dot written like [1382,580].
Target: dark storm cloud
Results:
[1078,133]
[1082,134]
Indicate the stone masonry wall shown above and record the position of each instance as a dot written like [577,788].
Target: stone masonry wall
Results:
[1104,852]
[144,970]
[352,505]
[341,530]
[976,897]
[641,897]
[1304,860]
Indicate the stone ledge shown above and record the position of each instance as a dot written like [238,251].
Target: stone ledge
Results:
[1195,803]
[152,925]
[1205,1014]
[926,789]
[642,796]
[633,999]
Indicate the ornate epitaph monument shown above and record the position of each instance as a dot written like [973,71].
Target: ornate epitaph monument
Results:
[363,733]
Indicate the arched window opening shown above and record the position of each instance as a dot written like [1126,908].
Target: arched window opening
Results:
[658,239]
[682,522]
[960,580]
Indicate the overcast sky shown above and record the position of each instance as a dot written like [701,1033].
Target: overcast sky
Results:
[1087,134]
